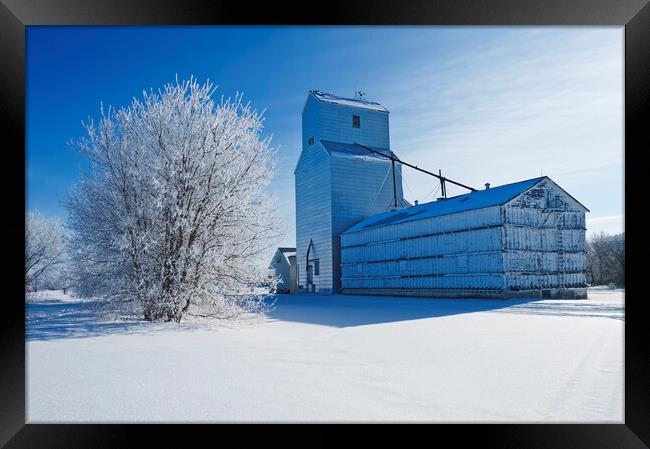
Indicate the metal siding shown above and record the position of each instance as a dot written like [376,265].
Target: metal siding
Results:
[335,123]
[329,195]
[313,201]
[353,201]
[511,247]
[544,239]
[444,282]
[445,223]
[457,251]
[488,262]
[470,241]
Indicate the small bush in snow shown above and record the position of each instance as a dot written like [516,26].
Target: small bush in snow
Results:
[173,216]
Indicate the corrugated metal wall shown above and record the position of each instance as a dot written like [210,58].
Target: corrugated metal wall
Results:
[352,201]
[335,123]
[536,241]
[313,223]
[313,201]
[333,193]
[544,240]
[442,244]
[459,251]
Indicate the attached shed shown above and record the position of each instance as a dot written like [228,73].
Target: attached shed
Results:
[523,239]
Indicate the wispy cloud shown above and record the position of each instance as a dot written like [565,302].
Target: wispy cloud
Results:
[513,106]
[484,104]
[500,105]
[611,224]
[618,217]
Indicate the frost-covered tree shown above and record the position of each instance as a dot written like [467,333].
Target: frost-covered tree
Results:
[59,277]
[44,247]
[173,215]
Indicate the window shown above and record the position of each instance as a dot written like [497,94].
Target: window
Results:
[310,141]
[356,121]
[316,267]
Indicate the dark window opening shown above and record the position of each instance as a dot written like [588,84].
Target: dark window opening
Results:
[310,141]
[316,267]
[356,121]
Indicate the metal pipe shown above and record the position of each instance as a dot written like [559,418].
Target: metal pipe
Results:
[415,167]
[394,186]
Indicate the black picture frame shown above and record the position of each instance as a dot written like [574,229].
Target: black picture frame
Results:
[634,15]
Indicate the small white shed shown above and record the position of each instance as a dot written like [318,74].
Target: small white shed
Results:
[283,265]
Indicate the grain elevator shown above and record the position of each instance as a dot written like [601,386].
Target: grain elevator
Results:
[356,234]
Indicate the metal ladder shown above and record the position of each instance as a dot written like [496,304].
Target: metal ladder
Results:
[560,250]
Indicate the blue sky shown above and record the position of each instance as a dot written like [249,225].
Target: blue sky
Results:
[484,104]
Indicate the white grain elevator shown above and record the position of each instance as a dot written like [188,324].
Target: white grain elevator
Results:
[338,183]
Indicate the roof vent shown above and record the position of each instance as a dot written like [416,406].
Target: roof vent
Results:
[487,185]
[416,202]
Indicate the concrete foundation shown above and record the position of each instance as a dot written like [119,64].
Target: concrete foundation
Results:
[565,293]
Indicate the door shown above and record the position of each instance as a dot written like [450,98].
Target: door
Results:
[310,278]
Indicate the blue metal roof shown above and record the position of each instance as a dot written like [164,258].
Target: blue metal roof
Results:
[494,196]
[352,150]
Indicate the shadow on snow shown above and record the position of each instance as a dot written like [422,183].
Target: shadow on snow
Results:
[347,310]
[57,319]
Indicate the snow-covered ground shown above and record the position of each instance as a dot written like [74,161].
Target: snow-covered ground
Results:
[50,296]
[337,358]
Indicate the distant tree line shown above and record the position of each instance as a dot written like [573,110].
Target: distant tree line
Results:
[46,261]
[606,259]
